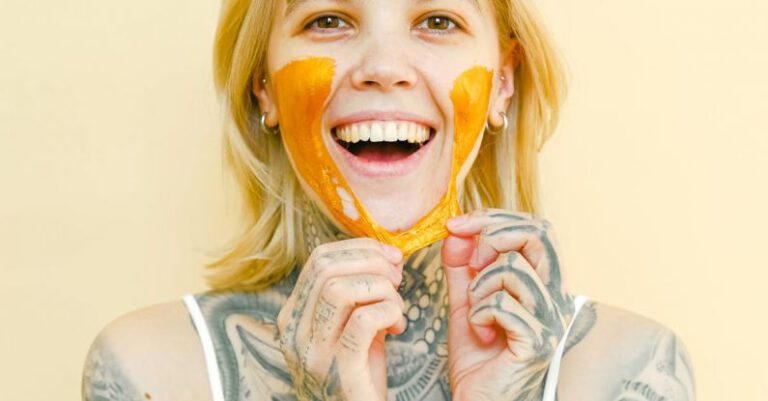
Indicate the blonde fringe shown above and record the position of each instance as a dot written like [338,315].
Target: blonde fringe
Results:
[270,244]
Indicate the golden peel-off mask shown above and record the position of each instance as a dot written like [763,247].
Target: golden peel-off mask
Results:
[302,88]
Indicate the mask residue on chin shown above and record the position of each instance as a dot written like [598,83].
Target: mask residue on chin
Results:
[303,86]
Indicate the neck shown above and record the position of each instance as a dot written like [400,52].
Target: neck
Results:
[419,354]
[420,270]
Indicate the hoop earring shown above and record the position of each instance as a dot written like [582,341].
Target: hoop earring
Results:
[503,127]
[265,128]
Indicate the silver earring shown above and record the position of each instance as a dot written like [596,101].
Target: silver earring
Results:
[503,127]
[265,128]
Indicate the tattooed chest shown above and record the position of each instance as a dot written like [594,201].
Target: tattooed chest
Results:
[416,359]
[253,367]
[415,371]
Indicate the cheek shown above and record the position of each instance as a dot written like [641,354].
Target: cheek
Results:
[470,96]
[302,89]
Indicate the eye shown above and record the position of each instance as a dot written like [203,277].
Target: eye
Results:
[326,22]
[439,24]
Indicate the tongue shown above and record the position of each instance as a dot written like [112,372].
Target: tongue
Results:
[382,152]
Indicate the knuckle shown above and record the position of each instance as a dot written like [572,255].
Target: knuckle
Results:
[361,318]
[335,291]
[500,297]
[323,262]
[389,309]
[334,284]
[282,320]
[485,231]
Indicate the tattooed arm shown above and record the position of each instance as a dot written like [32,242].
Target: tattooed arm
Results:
[150,354]
[625,357]
[667,375]
[104,377]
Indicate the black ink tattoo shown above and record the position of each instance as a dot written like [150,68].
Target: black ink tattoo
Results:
[583,324]
[667,376]
[218,309]
[416,359]
[103,377]
[254,366]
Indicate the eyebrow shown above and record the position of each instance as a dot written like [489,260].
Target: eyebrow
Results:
[294,4]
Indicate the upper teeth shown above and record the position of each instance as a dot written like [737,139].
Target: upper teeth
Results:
[383,131]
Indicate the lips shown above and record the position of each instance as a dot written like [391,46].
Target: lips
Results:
[377,149]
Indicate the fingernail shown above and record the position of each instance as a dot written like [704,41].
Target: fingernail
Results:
[393,252]
[456,222]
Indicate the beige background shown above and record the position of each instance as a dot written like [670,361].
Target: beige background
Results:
[112,196]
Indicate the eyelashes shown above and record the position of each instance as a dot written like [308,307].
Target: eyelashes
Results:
[329,23]
[328,19]
[441,20]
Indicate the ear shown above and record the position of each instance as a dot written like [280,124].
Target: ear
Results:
[503,99]
[266,105]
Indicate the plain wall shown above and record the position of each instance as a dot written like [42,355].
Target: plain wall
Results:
[113,197]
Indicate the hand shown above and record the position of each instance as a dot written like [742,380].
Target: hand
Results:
[508,309]
[333,324]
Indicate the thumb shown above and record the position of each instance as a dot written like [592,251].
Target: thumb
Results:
[455,255]
[456,251]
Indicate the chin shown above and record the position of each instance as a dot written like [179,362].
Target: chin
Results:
[397,220]
[400,212]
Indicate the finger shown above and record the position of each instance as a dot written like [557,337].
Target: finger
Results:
[472,223]
[524,332]
[363,325]
[456,251]
[355,248]
[340,296]
[529,238]
[512,273]
[391,253]
[327,264]
[321,254]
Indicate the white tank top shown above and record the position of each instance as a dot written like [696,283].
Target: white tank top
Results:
[550,386]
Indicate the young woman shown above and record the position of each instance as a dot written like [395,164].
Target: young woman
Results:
[392,248]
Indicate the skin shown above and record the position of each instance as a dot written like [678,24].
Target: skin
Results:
[475,316]
[303,89]
[389,56]
[629,357]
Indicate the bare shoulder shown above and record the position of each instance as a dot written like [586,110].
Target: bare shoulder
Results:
[156,353]
[150,353]
[615,354]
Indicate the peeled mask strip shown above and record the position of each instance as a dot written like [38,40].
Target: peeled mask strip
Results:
[303,86]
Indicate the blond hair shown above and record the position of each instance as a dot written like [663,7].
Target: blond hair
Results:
[270,245]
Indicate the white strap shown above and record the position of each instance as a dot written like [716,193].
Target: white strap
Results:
[208,349]
[554,367]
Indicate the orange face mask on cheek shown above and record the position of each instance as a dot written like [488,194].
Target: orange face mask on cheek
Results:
[302,88]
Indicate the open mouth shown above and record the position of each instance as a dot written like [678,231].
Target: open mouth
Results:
[383,141]
[383,148]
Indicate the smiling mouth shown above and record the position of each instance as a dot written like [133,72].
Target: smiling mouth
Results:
[383,141]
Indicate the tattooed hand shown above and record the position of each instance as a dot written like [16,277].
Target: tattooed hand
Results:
[333,325]
[508,310]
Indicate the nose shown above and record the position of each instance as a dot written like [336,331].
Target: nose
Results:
[385,65]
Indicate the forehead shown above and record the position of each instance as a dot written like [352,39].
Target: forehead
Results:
[293,4]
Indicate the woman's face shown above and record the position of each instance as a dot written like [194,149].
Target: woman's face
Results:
[384,83]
